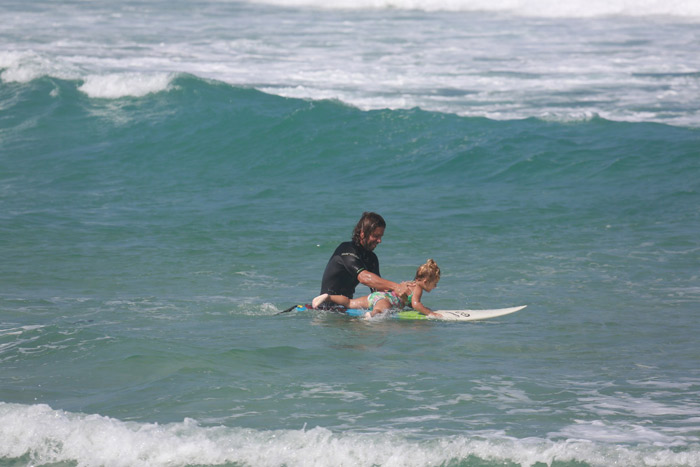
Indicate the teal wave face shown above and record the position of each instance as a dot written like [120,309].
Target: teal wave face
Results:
[181,175]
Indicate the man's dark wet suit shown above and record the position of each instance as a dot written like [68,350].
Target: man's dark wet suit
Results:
[355,263]
[346,263]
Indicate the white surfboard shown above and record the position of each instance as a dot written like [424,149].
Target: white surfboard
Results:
[447,315]
[463,315]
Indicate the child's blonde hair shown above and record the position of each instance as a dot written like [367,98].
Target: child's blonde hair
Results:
[429,272]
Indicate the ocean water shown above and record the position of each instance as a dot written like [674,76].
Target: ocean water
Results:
[174,174]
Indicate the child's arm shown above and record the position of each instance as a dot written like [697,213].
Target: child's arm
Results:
[417,305]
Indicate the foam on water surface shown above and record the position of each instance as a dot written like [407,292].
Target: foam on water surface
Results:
[40,435]
[544,59]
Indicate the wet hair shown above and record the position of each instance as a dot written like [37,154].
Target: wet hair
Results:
[367,224]
[430,272]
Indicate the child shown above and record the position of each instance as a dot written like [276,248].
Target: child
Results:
[427,278]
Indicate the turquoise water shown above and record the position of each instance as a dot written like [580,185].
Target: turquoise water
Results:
[159,205]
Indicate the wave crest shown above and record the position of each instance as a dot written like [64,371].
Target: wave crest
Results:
[116,85]
[45,435]
[531,8]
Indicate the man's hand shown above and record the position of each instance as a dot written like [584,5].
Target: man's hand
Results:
[404,289]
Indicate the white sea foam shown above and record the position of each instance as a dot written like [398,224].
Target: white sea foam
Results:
[25,66]
[541,8]
[501,66]
[44,435]
[641,407]
[115,85]
[619,433]
[15,337]
[322,390]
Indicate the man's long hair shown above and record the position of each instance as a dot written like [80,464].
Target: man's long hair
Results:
[368,222]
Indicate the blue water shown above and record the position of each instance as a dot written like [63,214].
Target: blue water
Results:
[173,175]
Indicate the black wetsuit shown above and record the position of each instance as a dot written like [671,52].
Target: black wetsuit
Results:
[348,260]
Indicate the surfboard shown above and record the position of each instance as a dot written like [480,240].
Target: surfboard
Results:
[447,315]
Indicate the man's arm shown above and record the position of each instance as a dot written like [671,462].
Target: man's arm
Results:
[375,282]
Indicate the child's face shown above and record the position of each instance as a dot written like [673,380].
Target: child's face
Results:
[429,285]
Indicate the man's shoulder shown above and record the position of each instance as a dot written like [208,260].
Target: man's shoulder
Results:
[347,247]
[350,249]
[353,249]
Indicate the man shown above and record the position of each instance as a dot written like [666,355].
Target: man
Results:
[355,263]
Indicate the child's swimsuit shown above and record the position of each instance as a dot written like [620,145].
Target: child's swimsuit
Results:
[393,299]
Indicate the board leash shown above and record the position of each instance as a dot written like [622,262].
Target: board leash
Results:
[287,310]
